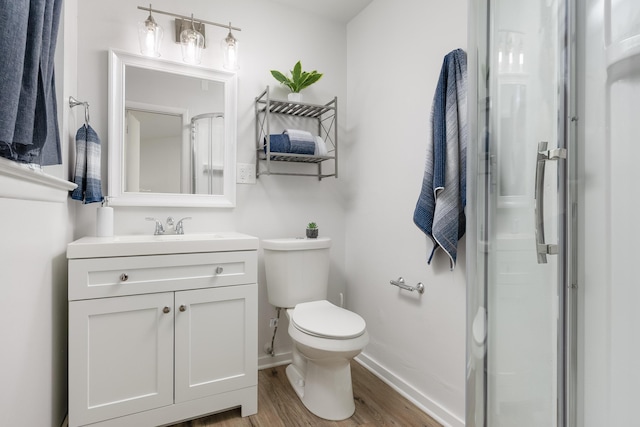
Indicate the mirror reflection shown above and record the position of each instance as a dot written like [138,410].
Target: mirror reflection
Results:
[153,151]
[174,135]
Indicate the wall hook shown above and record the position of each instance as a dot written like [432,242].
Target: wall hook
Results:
[74,103]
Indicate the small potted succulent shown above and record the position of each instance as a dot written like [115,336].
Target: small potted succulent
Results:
[299,80]
[312,230]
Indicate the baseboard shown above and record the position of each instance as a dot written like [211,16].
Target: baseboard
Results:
[267,361]
[433,409]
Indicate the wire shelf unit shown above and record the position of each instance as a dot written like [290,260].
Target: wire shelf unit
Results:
[327,128]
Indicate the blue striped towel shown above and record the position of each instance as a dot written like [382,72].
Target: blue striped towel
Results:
[87,171]
[278,143]
[302,141]
[439,212]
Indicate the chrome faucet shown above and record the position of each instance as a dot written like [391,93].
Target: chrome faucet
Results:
[180,226]
[172,226]
[159,228]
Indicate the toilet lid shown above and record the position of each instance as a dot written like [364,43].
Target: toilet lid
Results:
[323,319]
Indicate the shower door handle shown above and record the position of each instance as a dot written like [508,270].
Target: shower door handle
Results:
[542,248]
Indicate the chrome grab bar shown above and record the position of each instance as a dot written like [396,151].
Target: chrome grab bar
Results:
[542,248]
[400,283]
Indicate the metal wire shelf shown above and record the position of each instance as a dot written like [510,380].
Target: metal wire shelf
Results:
[326,117]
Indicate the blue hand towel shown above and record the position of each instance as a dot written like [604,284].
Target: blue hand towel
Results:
[279,143]
[302,142]
[303,147]
[87,170]
[439,212]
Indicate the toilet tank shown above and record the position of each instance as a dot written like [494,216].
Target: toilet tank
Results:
[297,270]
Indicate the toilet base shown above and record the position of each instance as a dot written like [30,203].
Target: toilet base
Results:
[325,388]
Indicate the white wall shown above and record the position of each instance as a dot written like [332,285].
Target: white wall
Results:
[395,55]
[33,362]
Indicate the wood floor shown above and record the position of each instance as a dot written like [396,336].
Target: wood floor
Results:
[377,404]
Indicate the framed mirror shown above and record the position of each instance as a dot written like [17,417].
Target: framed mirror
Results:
[172,133]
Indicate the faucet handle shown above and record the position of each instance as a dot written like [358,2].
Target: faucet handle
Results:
[159,228]
[180,226]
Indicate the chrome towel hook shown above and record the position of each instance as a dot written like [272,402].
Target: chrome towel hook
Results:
[74,103]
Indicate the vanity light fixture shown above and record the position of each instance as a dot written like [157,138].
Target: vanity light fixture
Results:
[230,51]
[150,36]
[192,36]
[192,42]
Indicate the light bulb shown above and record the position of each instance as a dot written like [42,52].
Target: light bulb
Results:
[230,51]
[150,36]
[192,44]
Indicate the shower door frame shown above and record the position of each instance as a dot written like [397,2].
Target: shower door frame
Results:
[481,172]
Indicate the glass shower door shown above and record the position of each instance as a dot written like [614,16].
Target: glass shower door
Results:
[516,299]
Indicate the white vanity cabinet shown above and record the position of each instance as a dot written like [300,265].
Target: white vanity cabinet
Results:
[155,339]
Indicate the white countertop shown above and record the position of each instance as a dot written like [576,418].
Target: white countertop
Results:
[135,245]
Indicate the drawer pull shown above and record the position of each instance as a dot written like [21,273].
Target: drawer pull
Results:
[219,270]
[166,310]
[183,308]
[124,277]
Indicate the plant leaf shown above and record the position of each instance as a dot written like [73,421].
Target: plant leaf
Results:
[296,72]
[279,76]
[282,78]
[295,77]
[299,79]
[311,79]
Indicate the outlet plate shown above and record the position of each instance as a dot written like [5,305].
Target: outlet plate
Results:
[246,173]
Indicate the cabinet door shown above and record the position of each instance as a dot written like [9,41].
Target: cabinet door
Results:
[216,341]
[120,356]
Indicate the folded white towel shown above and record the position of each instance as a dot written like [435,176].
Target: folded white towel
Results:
[300,135]
[321,147]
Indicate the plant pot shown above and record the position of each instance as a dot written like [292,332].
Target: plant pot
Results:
[295,97]
[312,233]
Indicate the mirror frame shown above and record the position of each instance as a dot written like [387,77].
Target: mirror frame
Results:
[118,61]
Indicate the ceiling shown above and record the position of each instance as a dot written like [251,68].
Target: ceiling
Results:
[338,10]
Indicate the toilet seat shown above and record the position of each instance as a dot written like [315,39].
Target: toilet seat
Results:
[324,320]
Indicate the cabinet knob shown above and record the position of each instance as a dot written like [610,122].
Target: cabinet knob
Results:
[219,270]
[166,310]
[124,277]
[183,307]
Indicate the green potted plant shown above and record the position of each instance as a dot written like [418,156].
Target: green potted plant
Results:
[299,80]
[312,230]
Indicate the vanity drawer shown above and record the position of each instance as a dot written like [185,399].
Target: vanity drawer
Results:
[117,276]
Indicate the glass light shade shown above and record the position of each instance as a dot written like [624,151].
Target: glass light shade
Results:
[150,37]
[230,52]
[192,44]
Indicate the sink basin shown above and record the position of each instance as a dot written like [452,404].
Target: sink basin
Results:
[172,237]
[133,245]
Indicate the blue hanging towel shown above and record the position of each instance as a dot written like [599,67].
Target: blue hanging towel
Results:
[439,212]
[87,171]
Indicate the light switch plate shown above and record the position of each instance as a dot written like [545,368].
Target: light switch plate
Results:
[245,173]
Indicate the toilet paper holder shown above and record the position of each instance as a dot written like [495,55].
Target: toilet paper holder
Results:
[401,284]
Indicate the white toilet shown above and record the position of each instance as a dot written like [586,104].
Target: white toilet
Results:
[325,337]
